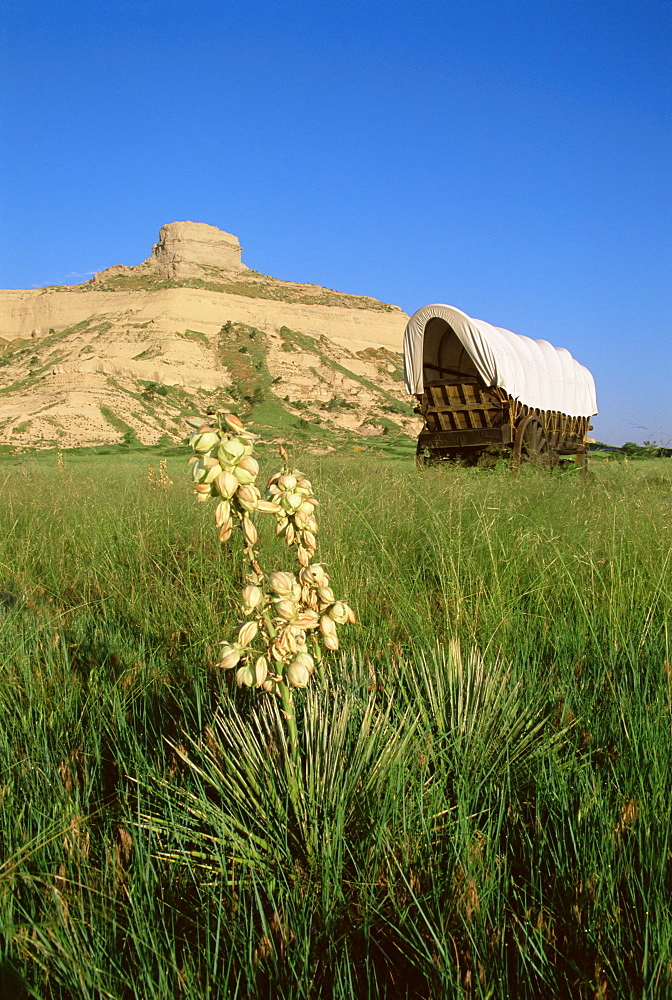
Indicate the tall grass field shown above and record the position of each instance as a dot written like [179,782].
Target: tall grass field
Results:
[485,805]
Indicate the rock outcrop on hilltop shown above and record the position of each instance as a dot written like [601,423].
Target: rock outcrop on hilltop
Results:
[186,250]
[135,349]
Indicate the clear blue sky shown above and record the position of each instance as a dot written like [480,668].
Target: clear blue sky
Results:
[509,157]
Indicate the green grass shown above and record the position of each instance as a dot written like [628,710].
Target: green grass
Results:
[486,788]
[128,434]
[250,284]
[195,335]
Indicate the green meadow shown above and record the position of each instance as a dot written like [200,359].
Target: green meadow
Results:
[486,782]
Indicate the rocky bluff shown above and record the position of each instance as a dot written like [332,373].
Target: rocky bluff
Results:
[186,250]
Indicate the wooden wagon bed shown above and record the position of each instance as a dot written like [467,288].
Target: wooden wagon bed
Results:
[465,419]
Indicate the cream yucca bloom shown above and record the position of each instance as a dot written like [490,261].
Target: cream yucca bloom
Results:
[251,598]
[231,450]
[327,626]
[230,656]
[260,670]
[282,584]
[222,513]
[203,442]
[247,633]
[297,674]
[245,676]
[283,613]
[249,531]
[338,612]
[226,484]
[248,498]
[286,609]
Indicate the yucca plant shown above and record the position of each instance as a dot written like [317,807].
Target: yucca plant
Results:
[287,618]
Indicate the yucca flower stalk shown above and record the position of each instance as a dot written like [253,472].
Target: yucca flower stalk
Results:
[288,619]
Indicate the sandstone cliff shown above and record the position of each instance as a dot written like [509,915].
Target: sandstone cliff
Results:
[185,250]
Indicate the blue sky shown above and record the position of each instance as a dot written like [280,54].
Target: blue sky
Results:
[509,157]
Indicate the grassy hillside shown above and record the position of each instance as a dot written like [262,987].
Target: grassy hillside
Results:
[249,283]
[486,790]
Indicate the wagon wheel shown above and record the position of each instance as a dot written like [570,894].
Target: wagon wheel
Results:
[531,444]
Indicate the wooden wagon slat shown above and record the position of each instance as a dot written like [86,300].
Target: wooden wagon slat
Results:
[465,438]
[465,406]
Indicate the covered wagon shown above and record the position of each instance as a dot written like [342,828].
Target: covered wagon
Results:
[482,389]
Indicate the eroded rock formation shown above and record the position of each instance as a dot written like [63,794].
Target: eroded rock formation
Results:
[186,250]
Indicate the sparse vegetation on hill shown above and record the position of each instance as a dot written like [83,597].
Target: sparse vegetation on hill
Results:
[249,283]
[49,367]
